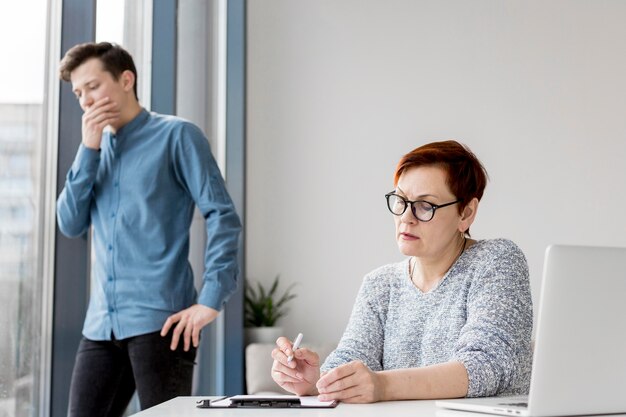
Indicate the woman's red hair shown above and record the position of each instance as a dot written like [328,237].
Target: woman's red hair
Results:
[466,175]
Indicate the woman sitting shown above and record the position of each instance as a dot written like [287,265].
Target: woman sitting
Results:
[452,320]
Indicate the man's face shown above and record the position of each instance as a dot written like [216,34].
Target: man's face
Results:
[90,83]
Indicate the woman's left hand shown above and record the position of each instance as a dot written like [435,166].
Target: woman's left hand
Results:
[353,382]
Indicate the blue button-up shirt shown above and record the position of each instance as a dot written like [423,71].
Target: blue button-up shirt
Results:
[139,193]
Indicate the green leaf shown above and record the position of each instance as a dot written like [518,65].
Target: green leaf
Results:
[263,307]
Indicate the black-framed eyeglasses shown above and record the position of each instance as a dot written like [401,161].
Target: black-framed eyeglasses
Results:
[421,209]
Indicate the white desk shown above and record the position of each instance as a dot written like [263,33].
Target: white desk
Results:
[186,407]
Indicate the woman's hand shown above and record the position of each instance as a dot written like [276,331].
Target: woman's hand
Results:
[298,376]
[353,382]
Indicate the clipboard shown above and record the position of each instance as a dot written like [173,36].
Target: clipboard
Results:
[265,401]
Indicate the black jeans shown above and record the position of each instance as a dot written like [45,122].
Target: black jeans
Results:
[106,374]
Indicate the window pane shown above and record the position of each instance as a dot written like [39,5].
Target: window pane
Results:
[125,22]
[21,145]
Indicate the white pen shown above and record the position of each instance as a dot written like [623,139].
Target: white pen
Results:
[295,347]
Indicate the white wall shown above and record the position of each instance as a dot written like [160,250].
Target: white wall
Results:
[339,90]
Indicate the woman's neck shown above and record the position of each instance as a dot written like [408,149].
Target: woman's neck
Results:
[426,273]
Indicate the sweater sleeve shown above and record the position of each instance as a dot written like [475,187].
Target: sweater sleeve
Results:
[363,338]
[495,342]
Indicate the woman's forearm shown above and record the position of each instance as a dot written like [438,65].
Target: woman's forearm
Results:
[445,380]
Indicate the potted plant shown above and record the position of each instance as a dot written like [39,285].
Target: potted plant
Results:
[263,308]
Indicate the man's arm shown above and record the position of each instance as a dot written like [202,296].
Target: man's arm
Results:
[198,172]
[74,202]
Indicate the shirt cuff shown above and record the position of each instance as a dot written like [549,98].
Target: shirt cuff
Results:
[215,293]
[86,158]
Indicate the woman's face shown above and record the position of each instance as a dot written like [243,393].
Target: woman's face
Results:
[427,239]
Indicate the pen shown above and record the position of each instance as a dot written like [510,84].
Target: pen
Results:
[295,347]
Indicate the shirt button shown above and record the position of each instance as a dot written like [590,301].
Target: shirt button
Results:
[110,278]
[112,215]
[110,248]
[115,184]
[111,310]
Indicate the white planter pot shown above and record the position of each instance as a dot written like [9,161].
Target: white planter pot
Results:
[263,334]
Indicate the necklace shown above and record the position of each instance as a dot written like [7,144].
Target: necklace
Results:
[412,268]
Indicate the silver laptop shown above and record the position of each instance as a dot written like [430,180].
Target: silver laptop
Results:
[579,362]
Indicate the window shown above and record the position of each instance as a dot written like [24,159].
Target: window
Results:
[128,23]
[21,179]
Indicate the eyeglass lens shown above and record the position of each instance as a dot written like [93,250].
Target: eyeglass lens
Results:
[423,210]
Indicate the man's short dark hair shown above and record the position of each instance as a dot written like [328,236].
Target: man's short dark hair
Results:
[114,58]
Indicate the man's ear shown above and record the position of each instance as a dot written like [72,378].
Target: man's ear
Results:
[128,80]
[468,215]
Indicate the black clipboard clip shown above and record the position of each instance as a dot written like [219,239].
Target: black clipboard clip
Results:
[207,403]
[266,403]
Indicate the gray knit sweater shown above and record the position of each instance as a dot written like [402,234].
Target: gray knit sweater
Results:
[480,314]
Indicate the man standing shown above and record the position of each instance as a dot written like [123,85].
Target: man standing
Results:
[137,183]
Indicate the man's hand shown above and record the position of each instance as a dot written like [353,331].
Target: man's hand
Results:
[353,382]
[190,321]
[100,114]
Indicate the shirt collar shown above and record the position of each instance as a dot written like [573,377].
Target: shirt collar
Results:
[134,124]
